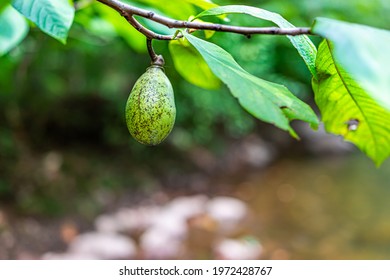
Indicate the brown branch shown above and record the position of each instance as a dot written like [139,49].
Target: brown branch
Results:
[157,59]
[129,12]
[148,33]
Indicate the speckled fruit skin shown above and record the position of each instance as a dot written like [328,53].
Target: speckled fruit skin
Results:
[150,108]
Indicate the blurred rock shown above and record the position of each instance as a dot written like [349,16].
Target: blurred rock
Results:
[164,238]
[138,219]
[107,223]
[103,246]
[127,220]
[186,207]
[68,256]
[51,164]
[171,224]
[186,226]
[251,152]
[247,248]
[256,152]
[229,212]
[172,218]
[159,244]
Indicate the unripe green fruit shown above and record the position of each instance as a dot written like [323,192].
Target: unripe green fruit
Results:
[150,108]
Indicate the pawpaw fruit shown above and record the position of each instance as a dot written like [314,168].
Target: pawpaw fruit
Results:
[150,108]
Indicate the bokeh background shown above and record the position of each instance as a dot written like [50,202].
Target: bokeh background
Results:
[74,184]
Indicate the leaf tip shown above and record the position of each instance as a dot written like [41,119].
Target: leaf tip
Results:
[294,134]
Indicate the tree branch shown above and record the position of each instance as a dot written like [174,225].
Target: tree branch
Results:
[129,12]
[157,59]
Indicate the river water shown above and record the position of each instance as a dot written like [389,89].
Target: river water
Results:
[307,208]
[321,209]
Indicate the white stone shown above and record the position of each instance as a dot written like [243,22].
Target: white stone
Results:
[257,153]
[170,224]
[238,249]
[138,219]
[107,223]
[186,207]
[229,212]
[164,238]
[67,256]
[157,244]
[103,246]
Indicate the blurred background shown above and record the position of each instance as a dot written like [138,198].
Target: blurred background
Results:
[74,184]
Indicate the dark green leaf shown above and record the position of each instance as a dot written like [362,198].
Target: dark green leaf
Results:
[13,29]
[302,43]
[347,109]
[53,17]
[191,65]
[363,52]
[3,4]
[269,102]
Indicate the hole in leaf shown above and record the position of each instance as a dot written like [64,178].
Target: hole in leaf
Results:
[353,124]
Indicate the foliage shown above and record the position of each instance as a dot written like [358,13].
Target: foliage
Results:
[350,76]
[353,85]
[348,110]
[13,29]
[52,17]
[267,101]
[355,46]
[188,61]
[303,44]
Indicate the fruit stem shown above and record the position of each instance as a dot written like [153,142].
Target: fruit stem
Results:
[157,59]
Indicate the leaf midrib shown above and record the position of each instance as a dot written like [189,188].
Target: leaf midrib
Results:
[353,98]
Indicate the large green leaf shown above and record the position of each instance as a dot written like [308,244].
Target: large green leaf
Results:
[3,4]
[53,17]
[177,9]
[269,102]
[13,29]
[203,4]
[347,109]
[363,52]
[302,43]
[191,65]
[132,37]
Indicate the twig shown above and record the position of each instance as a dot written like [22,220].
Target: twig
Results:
[157,59]
[129,12]
[148,33]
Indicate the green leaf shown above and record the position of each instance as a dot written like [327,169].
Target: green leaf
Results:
[191,65]
[13,29]
[302,43]
[132,37]
[363,52]
[347,109]
[269,102]
[177,9]
[53,17]
[207,33]
[203,4]
[3,4]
